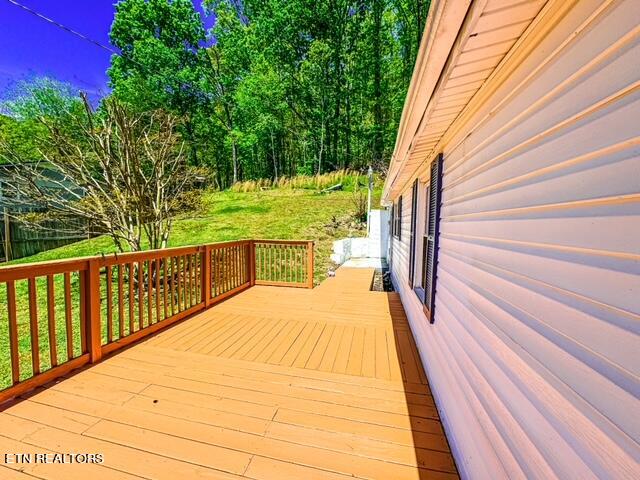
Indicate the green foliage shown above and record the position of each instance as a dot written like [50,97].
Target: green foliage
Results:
[161,61]
[23,135]
[278,87]
[20,137]
[42,97]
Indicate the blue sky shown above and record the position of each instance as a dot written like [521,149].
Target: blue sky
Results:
[31,47]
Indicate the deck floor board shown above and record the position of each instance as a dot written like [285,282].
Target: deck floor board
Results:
[274,383]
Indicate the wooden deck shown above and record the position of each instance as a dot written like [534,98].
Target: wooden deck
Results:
[275,383]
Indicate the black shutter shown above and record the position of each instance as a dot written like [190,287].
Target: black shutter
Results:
[412,238]
[399,219]
[433,229]
[393,221]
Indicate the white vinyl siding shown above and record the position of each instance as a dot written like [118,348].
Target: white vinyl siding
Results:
[534,356]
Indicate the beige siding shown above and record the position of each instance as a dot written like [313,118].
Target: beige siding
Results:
[535,351]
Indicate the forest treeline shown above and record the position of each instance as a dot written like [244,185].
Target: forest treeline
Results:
[276,87]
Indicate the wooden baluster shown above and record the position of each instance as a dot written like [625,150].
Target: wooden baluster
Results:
[83,311]
[33,326]
[276,262]
[186,267]
[185,281]
[140,295]
[199,278]
[131,297]
[91,285]
[178,285]
[13,332]
[241,264]
[246,249]
[196,276]
[157,288]
[109,280]
[232,268]
[51,320]
[190,277]
[214,272]
[224,271]
[310,265]
[205,275]
[297,260]
[194,279]
[236,270]
[68,314]
[287,263]
[165,287]
[149,265]
[183,276]
[173,285]
[120,301]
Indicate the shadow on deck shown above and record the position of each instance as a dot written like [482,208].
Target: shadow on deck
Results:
[273,383]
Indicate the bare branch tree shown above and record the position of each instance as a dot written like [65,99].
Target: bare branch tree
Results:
[123,173]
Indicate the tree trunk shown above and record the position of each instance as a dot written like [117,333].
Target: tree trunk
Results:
[234,154]
[377,82]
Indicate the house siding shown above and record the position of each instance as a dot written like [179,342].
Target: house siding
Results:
[534,354]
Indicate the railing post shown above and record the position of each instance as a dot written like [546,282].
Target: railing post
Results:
[309,264]
[206,275]
[91,285]
[252,262]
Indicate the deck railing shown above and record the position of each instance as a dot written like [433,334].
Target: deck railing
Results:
[61,315]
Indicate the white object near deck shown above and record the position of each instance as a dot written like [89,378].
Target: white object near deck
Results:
[534,350]
[374,246]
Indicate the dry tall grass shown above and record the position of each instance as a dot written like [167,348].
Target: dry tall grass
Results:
[308,182]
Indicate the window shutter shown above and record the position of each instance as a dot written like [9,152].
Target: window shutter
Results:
[431,247]
[412,237]
[399,219]
[393,221]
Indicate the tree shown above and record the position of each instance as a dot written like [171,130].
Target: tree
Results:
[123,176]
[162,61]
[276,87]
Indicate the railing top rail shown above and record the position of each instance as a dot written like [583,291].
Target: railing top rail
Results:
[231,243]
[49,267]
[128,257]
[39,269]
[284,242]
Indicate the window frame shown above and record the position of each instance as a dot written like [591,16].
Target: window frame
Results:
[397,219]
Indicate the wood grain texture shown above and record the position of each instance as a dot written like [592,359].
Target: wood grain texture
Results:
[187,402]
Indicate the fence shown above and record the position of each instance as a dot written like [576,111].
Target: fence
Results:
[94,306]
[20,240]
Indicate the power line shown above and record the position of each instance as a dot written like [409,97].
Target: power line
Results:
[63,27]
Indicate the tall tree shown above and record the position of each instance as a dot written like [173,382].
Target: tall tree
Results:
[161,65]
[276,87]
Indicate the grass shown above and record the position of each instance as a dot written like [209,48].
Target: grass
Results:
[277,213]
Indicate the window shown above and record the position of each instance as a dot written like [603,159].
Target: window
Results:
[397,219]
[430,243]
[412,234]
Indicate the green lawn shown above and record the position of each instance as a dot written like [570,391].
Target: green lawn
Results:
[271,214]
